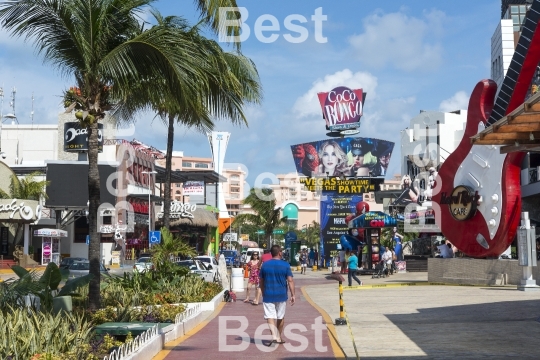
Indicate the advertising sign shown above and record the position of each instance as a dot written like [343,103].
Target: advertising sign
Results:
[347,186]
[373,219]
[76,139]
[193,188]
[342,108]
[349,157]
[334,209]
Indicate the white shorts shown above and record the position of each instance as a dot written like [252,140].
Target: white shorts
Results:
[274,310]
[304,265]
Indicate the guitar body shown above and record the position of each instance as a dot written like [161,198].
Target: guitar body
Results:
[493,176]
[496,178]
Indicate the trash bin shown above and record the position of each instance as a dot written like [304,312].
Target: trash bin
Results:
[237,280]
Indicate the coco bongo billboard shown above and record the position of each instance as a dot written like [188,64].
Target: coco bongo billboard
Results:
[342,108]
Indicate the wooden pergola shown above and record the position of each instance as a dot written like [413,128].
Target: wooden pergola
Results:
[517,131]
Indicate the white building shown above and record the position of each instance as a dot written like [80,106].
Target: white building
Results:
[429,139]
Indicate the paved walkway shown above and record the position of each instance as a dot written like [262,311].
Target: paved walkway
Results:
[402,322]
[218,339]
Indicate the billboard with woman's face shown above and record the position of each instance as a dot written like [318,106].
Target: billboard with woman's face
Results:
[349,157]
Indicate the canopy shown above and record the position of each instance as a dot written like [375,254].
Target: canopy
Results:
[50,233]
[249,244]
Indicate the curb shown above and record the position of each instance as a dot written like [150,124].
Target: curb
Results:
[426,283]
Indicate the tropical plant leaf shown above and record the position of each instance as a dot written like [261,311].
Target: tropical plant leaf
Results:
[51,277]
[20,271]
[72,285]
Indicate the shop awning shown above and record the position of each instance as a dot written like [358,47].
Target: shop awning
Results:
[517,131]
[209,177]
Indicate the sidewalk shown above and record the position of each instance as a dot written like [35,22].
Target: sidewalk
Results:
[212,340]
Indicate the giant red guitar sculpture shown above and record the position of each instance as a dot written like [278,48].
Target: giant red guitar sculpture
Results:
[478,189]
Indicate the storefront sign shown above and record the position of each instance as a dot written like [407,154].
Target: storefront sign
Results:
[76,139]
[139,206]
[179,210]
[342,108]
[193,188]
[462,202]
[23,210]
[111,229]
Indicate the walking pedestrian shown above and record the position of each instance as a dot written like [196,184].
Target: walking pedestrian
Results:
[303,261]
[353,266]
[311,257]
[274,279]
[253,266]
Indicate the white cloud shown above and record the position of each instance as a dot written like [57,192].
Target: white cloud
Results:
[399,40]
[460,100]
[308,104]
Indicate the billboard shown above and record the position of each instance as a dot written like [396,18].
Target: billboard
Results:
[342,108]
[349,157]
[76,138]
[334,209]
[193,188]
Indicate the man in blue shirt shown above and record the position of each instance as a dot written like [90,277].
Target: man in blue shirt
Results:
[274,278]
[353,266]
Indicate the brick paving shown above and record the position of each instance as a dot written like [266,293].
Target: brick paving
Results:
[205,343]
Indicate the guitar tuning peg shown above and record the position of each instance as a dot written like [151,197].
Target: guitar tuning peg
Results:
[495,198]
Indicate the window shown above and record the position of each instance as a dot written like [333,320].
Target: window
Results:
[201,166]
[176,169]
[178,192]
[186,164]
[235,177]
[178,185]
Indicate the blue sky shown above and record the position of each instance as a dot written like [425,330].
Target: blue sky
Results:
[408,56]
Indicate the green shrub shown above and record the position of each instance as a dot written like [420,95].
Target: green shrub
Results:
[27,333]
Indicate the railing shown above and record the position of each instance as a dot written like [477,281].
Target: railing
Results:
[129,348]
[188,313]
[533,175]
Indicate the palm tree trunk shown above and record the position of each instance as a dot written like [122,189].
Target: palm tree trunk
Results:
[268,241]
[94,253]
[168,169]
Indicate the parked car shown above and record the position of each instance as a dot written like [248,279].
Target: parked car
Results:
[208,260]
[81,268]
[143,264]
[231,257]
[198,267]
[66,262]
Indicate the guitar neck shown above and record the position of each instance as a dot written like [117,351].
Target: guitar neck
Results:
[521,71]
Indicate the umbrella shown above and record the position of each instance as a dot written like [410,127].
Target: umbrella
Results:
[249,244]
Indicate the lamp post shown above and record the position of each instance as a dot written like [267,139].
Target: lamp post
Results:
[149,203]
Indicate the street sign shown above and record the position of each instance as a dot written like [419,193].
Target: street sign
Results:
[260,232]
[230,237]
[155,237]
[87,239]
[278,232]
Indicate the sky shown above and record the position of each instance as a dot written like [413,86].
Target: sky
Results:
[407,55]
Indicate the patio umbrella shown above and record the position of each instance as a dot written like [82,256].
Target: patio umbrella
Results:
[249,244]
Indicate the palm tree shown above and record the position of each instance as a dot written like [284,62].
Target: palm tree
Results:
[27,188]
[169,247]
[313,234]
[104,47]
[236,82]
[267,215]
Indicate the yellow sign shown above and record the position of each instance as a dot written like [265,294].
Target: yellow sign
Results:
[347,186]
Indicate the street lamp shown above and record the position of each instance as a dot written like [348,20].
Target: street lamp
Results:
[149,203]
